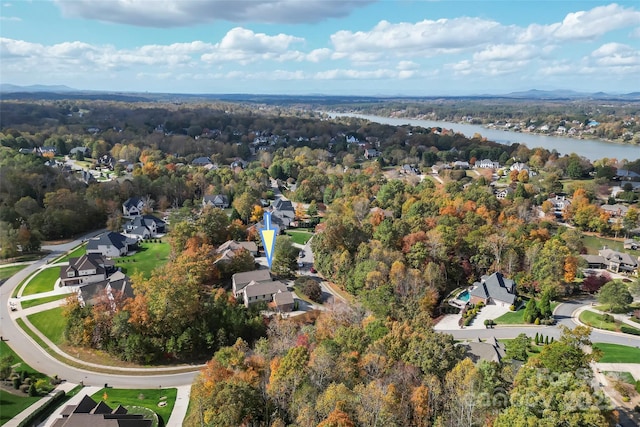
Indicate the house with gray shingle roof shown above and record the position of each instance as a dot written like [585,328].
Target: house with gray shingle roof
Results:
[240,280]
[98,414]
[216,200]
[89,268]
[256,292]
[494,289]
[133,207]
[111,245]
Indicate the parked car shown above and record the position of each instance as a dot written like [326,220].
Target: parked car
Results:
[301,254]
[313,270]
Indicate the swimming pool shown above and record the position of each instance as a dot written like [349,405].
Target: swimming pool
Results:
[464,296]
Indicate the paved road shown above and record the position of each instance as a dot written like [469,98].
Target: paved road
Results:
[40,360]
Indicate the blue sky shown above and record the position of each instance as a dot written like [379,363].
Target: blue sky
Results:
[333,47]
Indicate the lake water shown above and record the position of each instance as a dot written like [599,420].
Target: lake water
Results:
[592,149]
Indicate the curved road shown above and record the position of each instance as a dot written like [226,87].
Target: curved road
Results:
[40,360]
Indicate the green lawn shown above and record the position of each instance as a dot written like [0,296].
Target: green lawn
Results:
[11,404]
[594,244]
[77,252]
[511,318]
[6,272]
[299,237]
[39,301]
[516,317]
[148,257]
[147,398]
[44,281]
[51,323]
[595,320]
[615,353]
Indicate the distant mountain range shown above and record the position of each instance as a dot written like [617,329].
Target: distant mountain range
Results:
[62,92]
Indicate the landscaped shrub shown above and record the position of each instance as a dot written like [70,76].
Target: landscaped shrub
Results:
[512,307]
[629,330]
[310,288]
[607,318]
[16,383]
[25,388]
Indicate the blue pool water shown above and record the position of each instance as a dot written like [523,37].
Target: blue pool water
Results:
[463,296]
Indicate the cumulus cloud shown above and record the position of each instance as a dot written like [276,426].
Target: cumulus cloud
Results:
[168,13]
[616,55]
[584,25]
[503,52]
[422,39]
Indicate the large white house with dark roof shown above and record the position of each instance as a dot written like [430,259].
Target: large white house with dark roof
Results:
[133,207]
[494,289]
[111,245]
[88,268]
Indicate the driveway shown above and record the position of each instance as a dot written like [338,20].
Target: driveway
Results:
[450,321]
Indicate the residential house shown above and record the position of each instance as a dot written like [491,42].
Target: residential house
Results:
[491,350]
[117,283]
[494,289]
[111,245]
[559,202]
[144,227]
[625,174]
[283,301]
[132,207]
[519,166]
[107,161]
[88,268]
[487,164]
[91,413]
[618,262]
[256,292]
[371,153]
[232,245]
[216,200]
[459,164]
[594,261]
[282,214]
[201,161]
[238,163]
[631,244]
[240,280]
[617,210]
[86,151]
[503,193]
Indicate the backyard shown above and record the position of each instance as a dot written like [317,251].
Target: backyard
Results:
[298,236]
[595,243]
[146,398]
[147,257]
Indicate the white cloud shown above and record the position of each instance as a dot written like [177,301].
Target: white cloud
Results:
[10,18]
[503,52]
[318,55]
[407,65]
[583,25]
[350,74]
[426,38]
[616,55]
[167,13]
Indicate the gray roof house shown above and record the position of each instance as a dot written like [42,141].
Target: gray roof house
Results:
[234,246]
[118,282]
[132,207]
[494,289]
[91,413]
[256,292]
[490,350]
[240,280]
[618,262]
[89,268]
[201,161]
[111,244]
[154,225]
[216,200]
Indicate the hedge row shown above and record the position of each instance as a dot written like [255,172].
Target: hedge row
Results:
[36,417]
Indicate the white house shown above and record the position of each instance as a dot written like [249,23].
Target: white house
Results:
[133,207]
[487,164]
[256,292]
[216,200]
[110,245]
[88,268]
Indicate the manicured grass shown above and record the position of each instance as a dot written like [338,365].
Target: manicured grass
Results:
[40,301]
[595,243]
[298,236]
[44,281]
[147,398]
[6,272]
[594,319]
[148,257]
[12,404]
[77,252]
[511,318]
[51,323]
[615,353]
